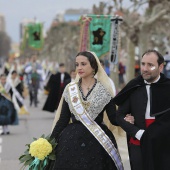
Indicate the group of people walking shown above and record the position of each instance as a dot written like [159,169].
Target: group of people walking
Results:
[11,100]
[17,81]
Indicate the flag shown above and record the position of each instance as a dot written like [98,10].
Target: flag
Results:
[35,35]
[115,41]
[84,29]
[100,34]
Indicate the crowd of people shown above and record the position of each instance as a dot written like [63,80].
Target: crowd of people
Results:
[82,98]
[20,79]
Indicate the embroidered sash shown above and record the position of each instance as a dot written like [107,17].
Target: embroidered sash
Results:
[92,126]
[16,95]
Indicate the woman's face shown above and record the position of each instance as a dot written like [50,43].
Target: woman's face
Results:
[3,80]
[14,75]
[83,67]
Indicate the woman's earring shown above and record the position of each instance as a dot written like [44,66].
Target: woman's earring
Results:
[93,72]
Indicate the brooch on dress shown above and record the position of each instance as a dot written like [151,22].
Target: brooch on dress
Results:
[86,104]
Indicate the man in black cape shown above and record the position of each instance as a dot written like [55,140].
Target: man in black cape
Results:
[147,98]
[56,86]
[155,142]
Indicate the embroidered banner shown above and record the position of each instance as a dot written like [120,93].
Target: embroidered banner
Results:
[100,34]
[115,40]
[35,35]
[84,23]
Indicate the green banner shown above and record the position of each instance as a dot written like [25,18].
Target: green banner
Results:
[35,36]
[100,34]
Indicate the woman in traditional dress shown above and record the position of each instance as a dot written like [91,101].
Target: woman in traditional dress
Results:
[84,141]
[15,89]
[8,114]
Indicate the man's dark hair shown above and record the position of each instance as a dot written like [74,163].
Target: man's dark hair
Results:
[91,59]
[61,65]
[14,72]
[160,57]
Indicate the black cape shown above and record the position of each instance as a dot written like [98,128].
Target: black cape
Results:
[155,142]
[55,92]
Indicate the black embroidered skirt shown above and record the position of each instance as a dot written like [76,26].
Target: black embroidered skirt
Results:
[78,149]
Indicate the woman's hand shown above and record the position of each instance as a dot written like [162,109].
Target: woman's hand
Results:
[130,118]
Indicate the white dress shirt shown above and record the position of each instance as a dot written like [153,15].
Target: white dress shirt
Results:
[147,113]
[62,77]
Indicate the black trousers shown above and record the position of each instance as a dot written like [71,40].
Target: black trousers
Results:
[33,91]
[135,156]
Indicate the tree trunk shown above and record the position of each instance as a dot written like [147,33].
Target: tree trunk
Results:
[130,71]
[143,41]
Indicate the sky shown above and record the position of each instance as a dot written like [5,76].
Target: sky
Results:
[44,10]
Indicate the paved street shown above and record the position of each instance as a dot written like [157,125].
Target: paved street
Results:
[33,125]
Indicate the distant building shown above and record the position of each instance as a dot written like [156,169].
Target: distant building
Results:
[59,17]
[2,23]
[74,14]
[70,15]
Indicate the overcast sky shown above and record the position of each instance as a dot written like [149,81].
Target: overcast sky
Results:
[44,10]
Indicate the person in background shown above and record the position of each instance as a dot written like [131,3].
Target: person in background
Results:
[106,66]
[73,75]
[31,64]
[8,114]
[166,69]
[16,91]
[35,82]
[111,81]
[56,85]
[52,70]
[137,68]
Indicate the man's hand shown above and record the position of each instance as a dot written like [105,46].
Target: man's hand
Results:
[129,118]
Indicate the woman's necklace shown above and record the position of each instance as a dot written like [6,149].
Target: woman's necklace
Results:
[88,87]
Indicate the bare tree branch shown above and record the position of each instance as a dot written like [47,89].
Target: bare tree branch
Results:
[136,5]
[156,17]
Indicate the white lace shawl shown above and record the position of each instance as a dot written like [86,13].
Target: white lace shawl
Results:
[97,99]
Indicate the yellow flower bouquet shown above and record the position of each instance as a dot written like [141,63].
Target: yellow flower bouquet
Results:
[39,153]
